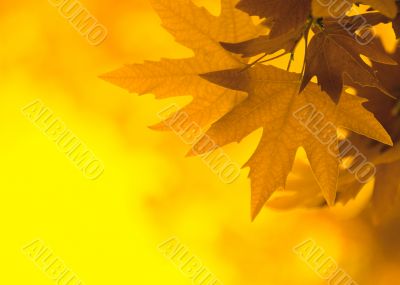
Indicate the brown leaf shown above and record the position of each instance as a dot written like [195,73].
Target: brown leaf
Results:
[334,52]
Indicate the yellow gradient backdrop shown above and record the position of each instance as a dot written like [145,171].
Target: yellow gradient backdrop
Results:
[107,231]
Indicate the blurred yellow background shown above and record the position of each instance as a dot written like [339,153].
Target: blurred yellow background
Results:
[107,231]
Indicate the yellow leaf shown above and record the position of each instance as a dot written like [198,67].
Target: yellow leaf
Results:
[273,103]
[196,28]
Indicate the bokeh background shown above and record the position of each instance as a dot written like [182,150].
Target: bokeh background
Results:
[107,231]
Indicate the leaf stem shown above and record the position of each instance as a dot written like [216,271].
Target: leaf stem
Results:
[272,58]
[259,60]
[255,62]
[290,60]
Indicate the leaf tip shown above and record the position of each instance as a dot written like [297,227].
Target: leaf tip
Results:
[191,153]
[253,216]
[330,199]
[255,210]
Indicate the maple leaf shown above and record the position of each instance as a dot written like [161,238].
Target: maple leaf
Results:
[327,8]
[197,29]
[240,99]
[272,100]
[334,53]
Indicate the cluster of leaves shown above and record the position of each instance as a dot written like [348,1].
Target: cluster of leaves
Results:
[235,94]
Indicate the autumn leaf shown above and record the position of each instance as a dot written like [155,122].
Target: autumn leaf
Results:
[197,29]
[271,103]
[237,97]
[334,53]
[328,8]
